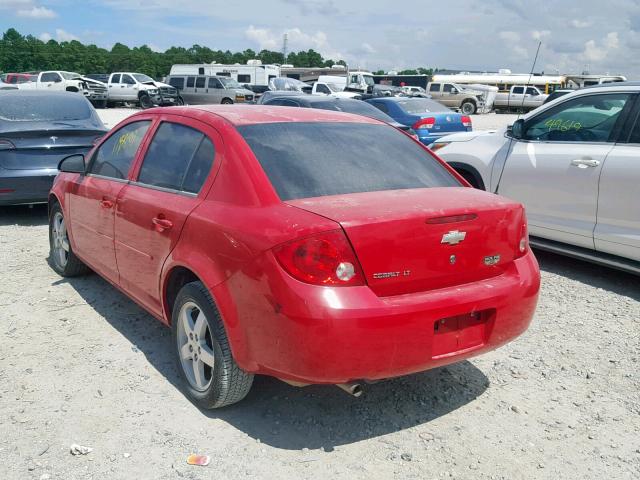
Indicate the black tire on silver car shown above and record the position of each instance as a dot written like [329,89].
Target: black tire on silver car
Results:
[179,101]
[468,107]
[61,256]
[145,101]
[212,377]
[226,101]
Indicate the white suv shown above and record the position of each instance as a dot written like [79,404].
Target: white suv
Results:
[575,165]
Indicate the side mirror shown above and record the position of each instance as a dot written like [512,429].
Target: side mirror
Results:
[73,164]
[517,129]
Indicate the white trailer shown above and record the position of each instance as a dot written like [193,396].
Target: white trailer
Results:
[254,73]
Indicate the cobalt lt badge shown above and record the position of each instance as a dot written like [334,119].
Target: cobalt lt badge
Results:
[453,237]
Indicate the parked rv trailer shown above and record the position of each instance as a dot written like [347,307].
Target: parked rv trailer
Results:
[504,81]
[254,73]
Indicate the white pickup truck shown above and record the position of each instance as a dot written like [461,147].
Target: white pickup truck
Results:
[324,88]
[130,87]
[59,80]
[519,98]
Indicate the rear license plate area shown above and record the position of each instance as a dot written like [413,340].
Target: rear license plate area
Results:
[462,332]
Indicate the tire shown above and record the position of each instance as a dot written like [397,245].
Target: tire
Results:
[226,101]
[101,104]
[198,330]
[468,107]
[145,101]
[61,256]
[179,101]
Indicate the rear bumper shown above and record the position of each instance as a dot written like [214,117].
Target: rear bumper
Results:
[313,334]
[25,186]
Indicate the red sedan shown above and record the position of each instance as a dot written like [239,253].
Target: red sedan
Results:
[313,246]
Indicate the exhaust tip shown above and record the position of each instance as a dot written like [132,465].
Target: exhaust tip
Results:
[354,389]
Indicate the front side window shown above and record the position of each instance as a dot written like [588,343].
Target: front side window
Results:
[179,158]
[128,79]
[50,77]
[115,156]
[448,88]
[532,91]
[214,83]
[323,89]
[315,159]
[518,90]
[589,118]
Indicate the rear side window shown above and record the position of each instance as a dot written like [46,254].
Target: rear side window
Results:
[304,160]
[177,82]
[179,158]
[200,81]
[115,78]
[435,87]
[114,157]
[190,82]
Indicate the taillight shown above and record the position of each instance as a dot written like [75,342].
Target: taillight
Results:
[323,259]
[6,145]
[523,243]
[466,120]
[426,123]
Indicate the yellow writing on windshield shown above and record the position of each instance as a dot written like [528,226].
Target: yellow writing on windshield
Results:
[562,125]
[130,139]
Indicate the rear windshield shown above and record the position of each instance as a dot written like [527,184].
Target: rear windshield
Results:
[357,107]
[422,105]
[35,108]
[304,160]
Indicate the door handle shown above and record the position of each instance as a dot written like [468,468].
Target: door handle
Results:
[161,224]
[585,162]
[104,203]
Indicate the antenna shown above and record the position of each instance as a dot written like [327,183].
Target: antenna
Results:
[285,41]
[504,164]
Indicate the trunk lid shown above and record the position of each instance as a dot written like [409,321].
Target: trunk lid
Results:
[423,239]
[42,149]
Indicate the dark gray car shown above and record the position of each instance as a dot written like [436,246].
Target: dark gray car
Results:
[37,130]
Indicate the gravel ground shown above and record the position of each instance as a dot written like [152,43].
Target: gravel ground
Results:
[81,364]
[490,121]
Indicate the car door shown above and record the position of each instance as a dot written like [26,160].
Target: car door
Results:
[216,90]
[114,87]
[129,88]
[92,199]
[189,94]
[449,95]
[151,211]
[617,229]
[555,168]
[202,96]
[52,81]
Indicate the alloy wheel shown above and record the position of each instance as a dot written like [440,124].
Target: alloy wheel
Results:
[60,240]
[195,346]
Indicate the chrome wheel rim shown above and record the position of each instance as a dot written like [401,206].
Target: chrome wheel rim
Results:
[195,346]
[60,240]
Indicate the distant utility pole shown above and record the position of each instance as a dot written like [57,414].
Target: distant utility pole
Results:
[285,41]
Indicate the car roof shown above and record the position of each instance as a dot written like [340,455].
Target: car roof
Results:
[41,93]
[635,85]
[239,115]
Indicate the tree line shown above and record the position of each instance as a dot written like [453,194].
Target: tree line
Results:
[19,53]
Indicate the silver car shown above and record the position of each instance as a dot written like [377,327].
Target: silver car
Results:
[575,165]
[204,89]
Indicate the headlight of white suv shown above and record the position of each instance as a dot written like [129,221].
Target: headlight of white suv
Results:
[153,91]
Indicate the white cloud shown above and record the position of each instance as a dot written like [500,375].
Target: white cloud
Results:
[37,13]
[576,23]
[594,52]
[61,36]
[297,40]
[540,34]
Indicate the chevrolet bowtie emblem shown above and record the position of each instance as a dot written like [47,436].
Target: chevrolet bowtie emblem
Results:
[453,237]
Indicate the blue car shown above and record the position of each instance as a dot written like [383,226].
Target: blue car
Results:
[428,118]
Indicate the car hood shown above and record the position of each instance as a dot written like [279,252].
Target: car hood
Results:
[242,91]
[157,84]
[91,80]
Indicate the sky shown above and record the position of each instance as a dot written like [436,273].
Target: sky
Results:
[601,36]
